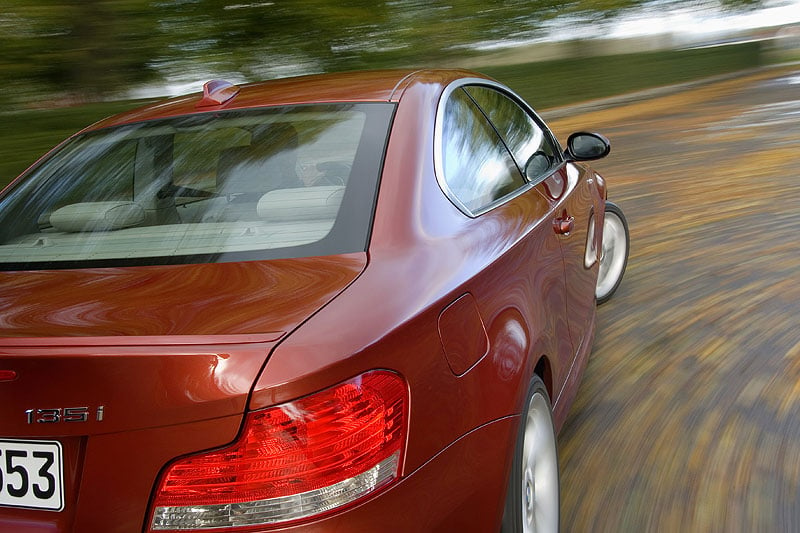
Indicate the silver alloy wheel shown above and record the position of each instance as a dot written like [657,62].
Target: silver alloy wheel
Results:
[614,253]
[540,484]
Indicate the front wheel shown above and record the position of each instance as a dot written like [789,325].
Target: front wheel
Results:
[614,254]
[533,499]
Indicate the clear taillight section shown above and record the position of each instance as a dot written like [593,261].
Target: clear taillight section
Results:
[293,461]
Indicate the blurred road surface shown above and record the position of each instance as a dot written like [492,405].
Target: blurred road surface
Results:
[688,418]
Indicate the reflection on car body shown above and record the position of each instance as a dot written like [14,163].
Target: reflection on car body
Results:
[352,302]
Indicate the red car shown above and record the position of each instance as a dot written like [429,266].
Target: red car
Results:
[349,302]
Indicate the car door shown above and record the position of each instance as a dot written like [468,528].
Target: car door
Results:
[574,207]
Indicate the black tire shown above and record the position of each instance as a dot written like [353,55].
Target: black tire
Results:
[533,499]
[614,256]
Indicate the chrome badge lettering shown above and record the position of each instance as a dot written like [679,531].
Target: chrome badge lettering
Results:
[64,414]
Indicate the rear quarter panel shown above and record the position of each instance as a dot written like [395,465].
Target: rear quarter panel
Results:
[424,255]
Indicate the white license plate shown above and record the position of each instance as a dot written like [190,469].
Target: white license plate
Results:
[31,474]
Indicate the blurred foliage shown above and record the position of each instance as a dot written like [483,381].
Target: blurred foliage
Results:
[566,81]
[84,49]
[26,135]
[347,34]
[91,49]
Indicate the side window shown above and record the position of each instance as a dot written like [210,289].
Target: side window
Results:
[477,167]
[529,142]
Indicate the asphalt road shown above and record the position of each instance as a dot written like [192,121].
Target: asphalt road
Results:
[688,418]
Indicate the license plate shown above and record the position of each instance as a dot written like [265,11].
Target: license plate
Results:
[31,474]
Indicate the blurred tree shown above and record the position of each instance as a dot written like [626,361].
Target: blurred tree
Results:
[265,38]
[87,49]
[345,34]
[257,36]
[93,48]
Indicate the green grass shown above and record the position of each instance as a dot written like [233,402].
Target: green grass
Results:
[556,83]
[26,135]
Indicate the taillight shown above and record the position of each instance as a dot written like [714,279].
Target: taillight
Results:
[293,461]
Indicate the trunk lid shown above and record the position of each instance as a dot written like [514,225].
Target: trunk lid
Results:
[111,373]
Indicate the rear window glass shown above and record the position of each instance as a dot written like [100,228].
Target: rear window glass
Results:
[225,186]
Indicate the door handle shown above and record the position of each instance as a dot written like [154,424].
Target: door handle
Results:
[564,224]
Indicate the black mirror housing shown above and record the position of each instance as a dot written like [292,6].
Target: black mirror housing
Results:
[587,146]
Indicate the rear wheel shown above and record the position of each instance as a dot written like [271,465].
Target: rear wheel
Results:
[533,501]
[614,255]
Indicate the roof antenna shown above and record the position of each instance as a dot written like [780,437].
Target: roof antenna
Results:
[217,92]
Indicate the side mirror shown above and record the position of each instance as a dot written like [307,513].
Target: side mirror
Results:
[586,146]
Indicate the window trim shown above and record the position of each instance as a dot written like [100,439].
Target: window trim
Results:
[438,155]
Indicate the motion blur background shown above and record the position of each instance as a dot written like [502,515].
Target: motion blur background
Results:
[68,57]
[688,416]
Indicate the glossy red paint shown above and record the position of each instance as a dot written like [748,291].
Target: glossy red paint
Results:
[217,92]
[377,86]
[463,334]
[249,298]
[463,308]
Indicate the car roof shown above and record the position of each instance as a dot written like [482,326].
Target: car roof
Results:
[360,86]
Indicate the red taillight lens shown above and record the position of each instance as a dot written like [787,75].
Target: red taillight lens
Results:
[292,461]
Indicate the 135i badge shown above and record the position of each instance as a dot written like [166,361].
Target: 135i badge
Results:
[64,414]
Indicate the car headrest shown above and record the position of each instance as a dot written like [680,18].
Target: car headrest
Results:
[269,162]
[301,204]
[97,216]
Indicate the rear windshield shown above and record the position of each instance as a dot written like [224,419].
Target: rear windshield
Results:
[282,182]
